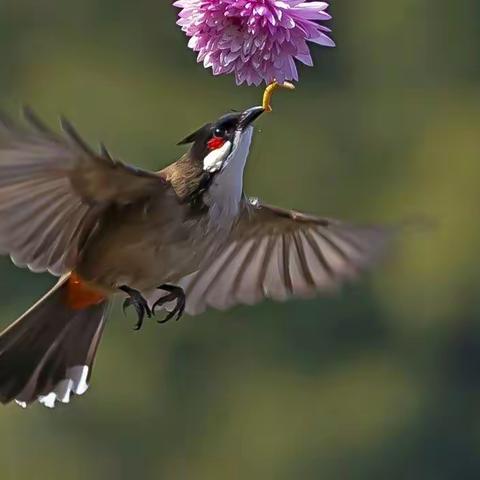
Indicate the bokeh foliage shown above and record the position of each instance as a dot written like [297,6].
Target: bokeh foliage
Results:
[382,381]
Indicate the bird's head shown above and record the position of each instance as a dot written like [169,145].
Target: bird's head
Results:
[224,142]
[212,171]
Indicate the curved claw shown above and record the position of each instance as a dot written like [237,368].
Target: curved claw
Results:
[139,323]
[162,301]
[127,303]
[176,294]
[177,311]
[139,303]
[168,317]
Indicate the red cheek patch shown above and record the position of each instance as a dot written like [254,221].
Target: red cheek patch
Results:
[215,142]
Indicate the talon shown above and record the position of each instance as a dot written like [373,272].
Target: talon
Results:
[161,301]
[127,303]
[167,318]
[175,294]
[136,300]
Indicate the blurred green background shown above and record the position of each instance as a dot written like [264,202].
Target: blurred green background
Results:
[382,381]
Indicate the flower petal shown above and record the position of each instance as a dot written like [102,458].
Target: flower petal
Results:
[256,40]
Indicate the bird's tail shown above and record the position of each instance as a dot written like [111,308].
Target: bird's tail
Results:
[48,353]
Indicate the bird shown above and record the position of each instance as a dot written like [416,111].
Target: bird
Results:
[180,240]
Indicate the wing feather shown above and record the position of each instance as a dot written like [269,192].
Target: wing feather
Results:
[251,249]
[286,263]
[262,274]
[242,291]
[54,189]
[278,254]
[272,286]
[221,285]
[321,254]
[298,272]
[302,260]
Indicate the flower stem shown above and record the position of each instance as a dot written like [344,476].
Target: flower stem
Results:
[267,96]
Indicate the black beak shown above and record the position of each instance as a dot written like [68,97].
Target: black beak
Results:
[249,116]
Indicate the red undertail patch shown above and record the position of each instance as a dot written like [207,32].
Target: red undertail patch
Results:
[80,295]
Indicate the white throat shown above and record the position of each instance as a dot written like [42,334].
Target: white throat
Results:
[225,193]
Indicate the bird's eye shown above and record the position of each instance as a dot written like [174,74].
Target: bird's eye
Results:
[219,132]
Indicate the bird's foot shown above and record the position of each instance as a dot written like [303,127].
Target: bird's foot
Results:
[175,294]
[136,300]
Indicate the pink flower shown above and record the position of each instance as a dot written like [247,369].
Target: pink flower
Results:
[257,40]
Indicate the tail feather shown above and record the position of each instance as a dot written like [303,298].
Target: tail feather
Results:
[48,353]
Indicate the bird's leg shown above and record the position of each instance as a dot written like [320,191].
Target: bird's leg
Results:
[175,294]
[136,299]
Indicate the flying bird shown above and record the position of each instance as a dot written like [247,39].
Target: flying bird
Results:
[187,232]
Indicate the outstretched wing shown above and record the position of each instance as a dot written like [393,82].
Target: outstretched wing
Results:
[53,190]
[277,254]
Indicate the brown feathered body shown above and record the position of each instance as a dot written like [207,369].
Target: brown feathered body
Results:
[145,245]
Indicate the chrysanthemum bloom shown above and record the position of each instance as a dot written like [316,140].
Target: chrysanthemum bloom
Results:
[257,40]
